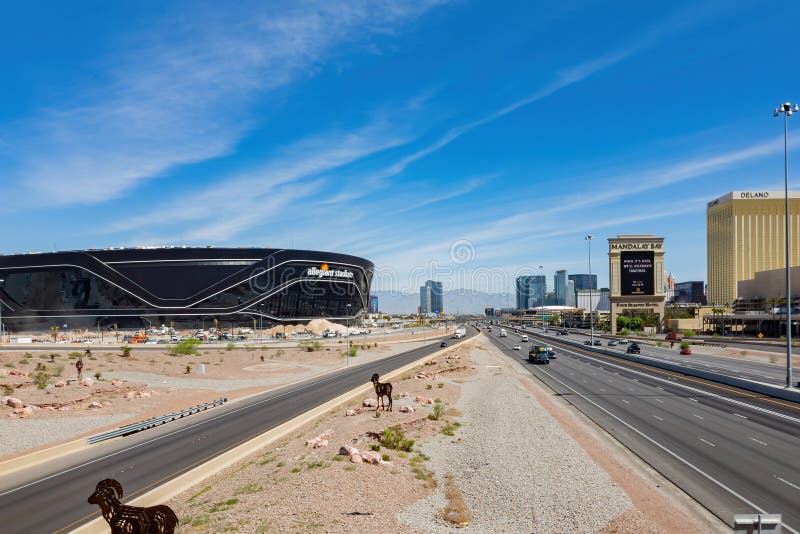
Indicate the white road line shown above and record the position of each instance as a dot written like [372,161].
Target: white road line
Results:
[698,390]
[698,416]
[626,401]
[795,486]
[659,387]
[659,418]
[673,454]
[603,390]
[659,400]
[740,415]
[693,399]
[706,442]
[759,441]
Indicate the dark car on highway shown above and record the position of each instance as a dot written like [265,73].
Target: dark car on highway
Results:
[443,344]
[633,348]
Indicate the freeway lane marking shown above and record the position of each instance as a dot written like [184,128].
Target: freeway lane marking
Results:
[706,442]
[795,486]
[693,399]
[626,401]
[659,418]
[698,390]
[659,400]
[671,453]
[699,416]
[688,379]
[759,441]
[740,415]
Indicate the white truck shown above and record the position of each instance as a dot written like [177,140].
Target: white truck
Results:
[460,332]
[503,332]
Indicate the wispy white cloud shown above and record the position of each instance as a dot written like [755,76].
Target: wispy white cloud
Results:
[179,93]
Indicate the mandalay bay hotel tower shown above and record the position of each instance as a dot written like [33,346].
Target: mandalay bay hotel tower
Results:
[745,235]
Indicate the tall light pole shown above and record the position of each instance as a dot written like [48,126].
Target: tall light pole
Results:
[787,109]
[261,325]
[347,354]
[1,315]
[541,294]
[591,302]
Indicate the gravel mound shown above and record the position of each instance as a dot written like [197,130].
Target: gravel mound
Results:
[20,434]
[517,469]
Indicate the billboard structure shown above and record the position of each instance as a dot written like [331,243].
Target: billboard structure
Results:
[636,272]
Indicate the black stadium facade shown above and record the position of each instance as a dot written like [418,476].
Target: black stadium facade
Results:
[182,286]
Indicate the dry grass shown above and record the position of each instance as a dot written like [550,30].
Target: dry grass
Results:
[456,509]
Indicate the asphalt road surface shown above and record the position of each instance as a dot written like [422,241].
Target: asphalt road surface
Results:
[758,372]
[53,497]
[731,450]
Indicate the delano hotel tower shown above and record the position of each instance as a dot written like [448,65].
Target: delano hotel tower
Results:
[745,234]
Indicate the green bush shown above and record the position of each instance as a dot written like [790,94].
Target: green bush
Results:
[7,390]
[438,410]
[41,379]
[186,347]
[689,333]
[393,438]
[684,345]
[230,346]
[57,370]
[98,375]
[126,351]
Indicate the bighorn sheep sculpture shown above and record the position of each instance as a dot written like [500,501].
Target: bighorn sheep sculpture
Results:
[124,519]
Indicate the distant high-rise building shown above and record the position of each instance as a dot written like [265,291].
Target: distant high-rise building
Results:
[430,298]
[745,235]
[530,291]
[571,297]
[690,292]
[593,300]
[584,281]
[373,304]
[560,284]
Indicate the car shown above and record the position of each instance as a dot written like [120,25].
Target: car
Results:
[633,348]
[686,351]
[443,344]
[623,341]
[517,347]
[598,343]
[551,352]
[612,343]
[563,332]
[587,342]
[673,336]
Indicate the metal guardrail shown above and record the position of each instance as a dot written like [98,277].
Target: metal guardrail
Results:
[156,421]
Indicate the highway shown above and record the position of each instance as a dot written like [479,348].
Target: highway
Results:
[731,450]
[53,497]
[773,374]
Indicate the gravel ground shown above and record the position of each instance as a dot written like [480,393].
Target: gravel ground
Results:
[515,477]
[21,434]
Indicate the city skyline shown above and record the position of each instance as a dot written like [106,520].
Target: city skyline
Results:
[496,137]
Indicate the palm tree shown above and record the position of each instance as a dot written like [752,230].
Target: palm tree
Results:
[54,332]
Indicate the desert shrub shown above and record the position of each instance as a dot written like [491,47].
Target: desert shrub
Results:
[98,374]
[689,333]
[230,346]
[57,370]
[74,355]
[438,409]
[126,351]
[41,379]
[393,438]
[7,390]
[186,347]
[279,353]
[375,447]
[353,352]
[386,457]
[684,345]
[24,361]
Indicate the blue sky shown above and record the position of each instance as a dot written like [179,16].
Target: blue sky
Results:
[465,141]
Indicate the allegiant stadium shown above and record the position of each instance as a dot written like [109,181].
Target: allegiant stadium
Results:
[180,286]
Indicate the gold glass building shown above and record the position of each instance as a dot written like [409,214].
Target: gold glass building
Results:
[745,234]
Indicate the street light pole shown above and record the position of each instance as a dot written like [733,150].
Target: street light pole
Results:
[591,303]
[1,315]
[347,354]
[261,325]
[787,109]
[541,294]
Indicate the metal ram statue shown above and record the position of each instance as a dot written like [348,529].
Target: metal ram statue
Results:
[124,519]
